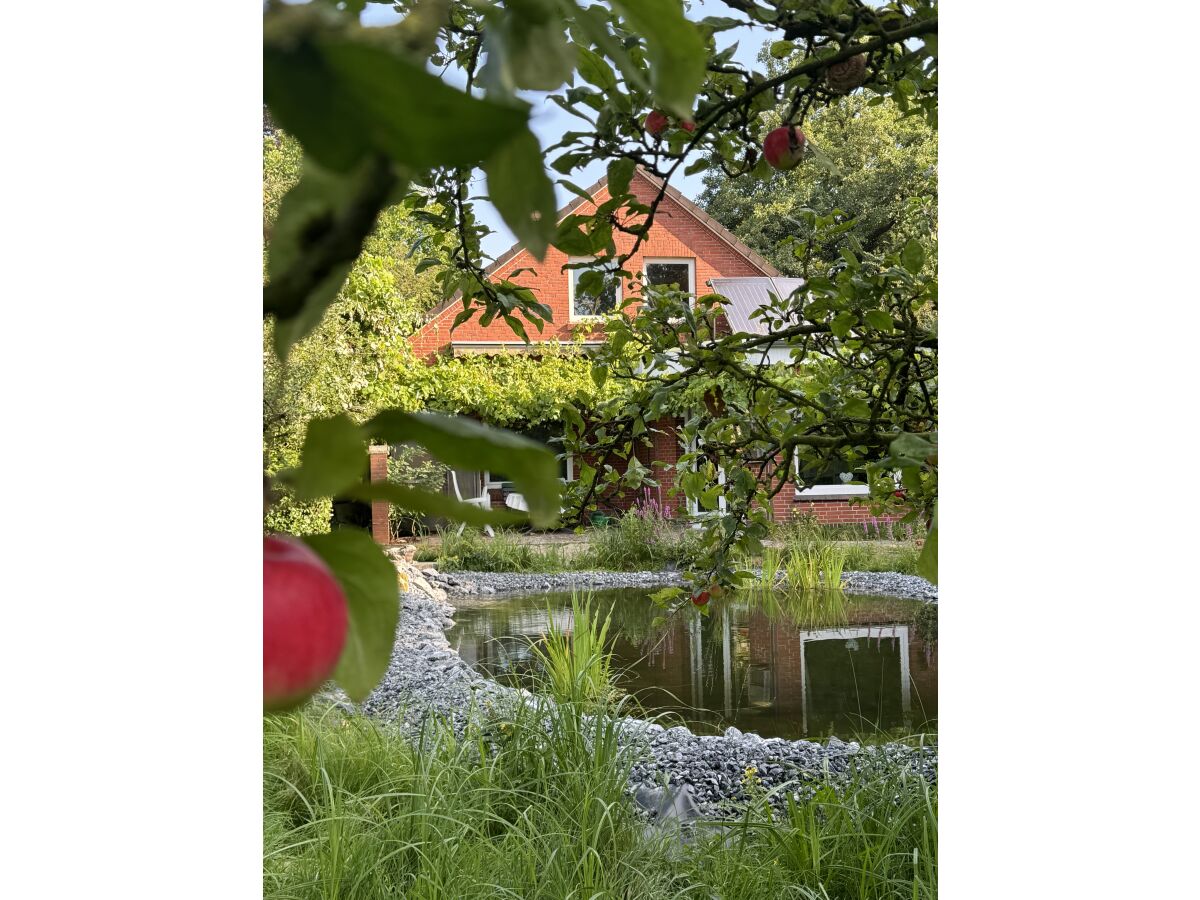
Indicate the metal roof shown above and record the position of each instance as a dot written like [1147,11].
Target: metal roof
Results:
[747,294]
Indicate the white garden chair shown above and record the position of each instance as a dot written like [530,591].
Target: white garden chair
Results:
[483,502]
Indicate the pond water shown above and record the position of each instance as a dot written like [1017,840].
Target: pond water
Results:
[857,667]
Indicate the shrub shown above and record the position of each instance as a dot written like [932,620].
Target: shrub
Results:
[412,467]
[287,515]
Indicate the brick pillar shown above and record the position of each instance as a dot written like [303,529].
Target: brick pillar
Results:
[380,528]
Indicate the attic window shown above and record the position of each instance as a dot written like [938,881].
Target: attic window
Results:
[677,273]
[586,304]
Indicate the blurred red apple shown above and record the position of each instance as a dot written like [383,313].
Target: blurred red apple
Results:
[304,621]
[656,123]
[701,599]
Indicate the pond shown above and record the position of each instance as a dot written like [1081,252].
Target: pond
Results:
[857,667]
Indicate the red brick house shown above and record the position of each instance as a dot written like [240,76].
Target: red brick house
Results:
[685,246]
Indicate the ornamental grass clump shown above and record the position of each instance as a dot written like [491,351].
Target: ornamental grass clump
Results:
[573,659]
[530,802]
[473,551]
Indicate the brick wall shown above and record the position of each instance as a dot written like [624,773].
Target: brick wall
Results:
[380,509]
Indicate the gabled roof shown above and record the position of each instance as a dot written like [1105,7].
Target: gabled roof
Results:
[747,294]
[690,207]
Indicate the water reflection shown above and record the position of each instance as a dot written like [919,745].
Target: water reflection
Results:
[760,663]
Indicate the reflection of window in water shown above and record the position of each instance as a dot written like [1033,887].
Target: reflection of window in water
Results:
[760,684]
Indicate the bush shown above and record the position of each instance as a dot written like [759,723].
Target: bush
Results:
[412,467]
[287,515]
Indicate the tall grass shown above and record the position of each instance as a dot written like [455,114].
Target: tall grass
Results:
[867,557]
[802,569]
[875,838]
[575,663]
[533,806]
[772,559]
[354,811]
[506,552]
[815,565]
[643,539]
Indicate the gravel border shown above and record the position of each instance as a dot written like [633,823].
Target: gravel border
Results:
[486,584]
[680,774]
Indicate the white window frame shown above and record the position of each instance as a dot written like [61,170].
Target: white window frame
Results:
[691,264]
[693,506]
[828,491]
[489,485]
[572,274]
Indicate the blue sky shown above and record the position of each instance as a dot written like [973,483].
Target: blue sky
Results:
[549,121]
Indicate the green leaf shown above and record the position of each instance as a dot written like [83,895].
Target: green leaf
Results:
[572,240]
[428,503]
[927,562]
[525,54]
[332,458]
[911,449]
[368,580]
[467,444]
[322,223]
[879,319]
[674,48]
[913,256]
[599,375]
[857,408]
[594,70]
[666,595]
[782,49]
[346,96]
[620,174]
[522,192]
[842,323]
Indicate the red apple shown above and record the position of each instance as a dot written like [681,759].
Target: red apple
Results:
[656,123]
[688,126]
[843,77]
[701,599]
[784,147]
[304,621]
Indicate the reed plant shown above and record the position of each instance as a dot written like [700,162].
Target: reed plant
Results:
[574,661]
[772,559]
[802,568]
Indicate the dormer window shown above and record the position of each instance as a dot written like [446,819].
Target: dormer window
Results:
[593,292]
[679,273]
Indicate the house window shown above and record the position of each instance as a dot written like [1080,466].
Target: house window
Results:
[677,273]
[693,506]
[586,304]
[832,482]
[550,434]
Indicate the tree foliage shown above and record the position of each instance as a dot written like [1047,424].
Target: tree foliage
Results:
[879,169]
[356,361]
[404,116]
